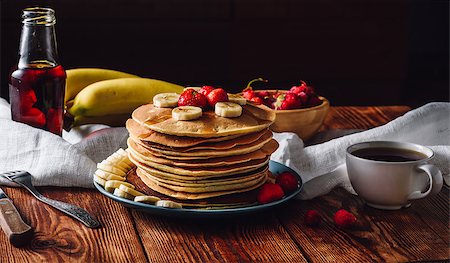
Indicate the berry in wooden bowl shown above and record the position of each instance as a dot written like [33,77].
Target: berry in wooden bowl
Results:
[299,110]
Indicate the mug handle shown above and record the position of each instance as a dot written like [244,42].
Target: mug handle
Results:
[435,176]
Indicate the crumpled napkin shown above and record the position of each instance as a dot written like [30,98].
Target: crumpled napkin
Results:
[322,167]
[71,160]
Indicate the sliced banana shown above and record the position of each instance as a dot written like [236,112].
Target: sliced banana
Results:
[166,100]
[113,184]
[228,109]
[99,180]
[117,165]
[108,176]
[110,168]
[129,190]
[238,99]
[148,199]
[120,193]
[168,204]
[186,113]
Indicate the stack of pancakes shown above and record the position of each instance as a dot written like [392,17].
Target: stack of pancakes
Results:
[209,162]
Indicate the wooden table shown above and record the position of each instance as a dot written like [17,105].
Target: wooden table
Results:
[418,233]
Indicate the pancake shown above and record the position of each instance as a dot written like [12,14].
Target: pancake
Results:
[262,153]
[195,196]
[253,119]
[137,130]
[192,175]
[241,140]
[241,149]
[205,171]
[221,202]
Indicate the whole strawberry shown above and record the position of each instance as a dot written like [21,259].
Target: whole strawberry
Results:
[190,97]
[216,95]
[287,181]
[270,192]
[205,90]
[312,218]
[288,101]
[344,219]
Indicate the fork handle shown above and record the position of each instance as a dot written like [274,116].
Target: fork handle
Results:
[18,232]
[72,210]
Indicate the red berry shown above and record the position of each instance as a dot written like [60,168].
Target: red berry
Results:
[256,100]
[262,94]
[287,181]
[288,101]
[27,100]
[314,101]
[344,219]
[217,95]
[190,97]
[303,98]
[205,90]
[270,192]
[312,218]
[248,94]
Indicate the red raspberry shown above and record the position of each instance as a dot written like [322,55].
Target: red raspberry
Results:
[205,90]
[312,218]
[190,97]
[287,181]
[217,95]
[344,219]
[270,192]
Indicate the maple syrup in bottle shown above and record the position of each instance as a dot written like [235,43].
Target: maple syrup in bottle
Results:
[37,84]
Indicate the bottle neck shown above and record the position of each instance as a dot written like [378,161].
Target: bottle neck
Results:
[38,40]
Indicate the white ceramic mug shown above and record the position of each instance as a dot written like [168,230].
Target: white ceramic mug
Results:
[392,184]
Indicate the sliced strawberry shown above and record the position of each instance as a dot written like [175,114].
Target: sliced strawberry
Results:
[190,97]
[287,181]
[270,192]
[217,95]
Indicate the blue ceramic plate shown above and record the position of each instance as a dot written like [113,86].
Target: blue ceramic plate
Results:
[274,167]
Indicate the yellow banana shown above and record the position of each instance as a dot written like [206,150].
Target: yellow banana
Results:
[118,96]
[79,78]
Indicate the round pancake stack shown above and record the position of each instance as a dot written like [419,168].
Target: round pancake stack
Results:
[209,162]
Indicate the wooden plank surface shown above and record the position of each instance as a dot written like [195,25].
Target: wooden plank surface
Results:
[419,233]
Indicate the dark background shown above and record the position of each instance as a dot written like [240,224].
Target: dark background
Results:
[354,52]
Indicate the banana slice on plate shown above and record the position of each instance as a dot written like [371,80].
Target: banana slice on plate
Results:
[110,168]
[130,190]
[108,176]
[113,184]
[99,180]
[186,113]
[166,100]
[120,193]
[228,109]
[238,99]
[168,204]
[147,199]
[117,165]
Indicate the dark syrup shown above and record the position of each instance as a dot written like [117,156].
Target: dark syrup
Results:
[389,154]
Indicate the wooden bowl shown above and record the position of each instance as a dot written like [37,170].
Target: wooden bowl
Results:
[304,122]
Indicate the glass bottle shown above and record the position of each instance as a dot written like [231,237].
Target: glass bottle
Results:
[37,85]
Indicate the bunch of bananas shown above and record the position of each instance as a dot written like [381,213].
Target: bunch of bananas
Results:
[107,96]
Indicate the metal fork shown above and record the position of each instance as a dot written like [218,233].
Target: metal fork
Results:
[23,178]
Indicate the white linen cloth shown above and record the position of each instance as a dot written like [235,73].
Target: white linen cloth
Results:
[71,160]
